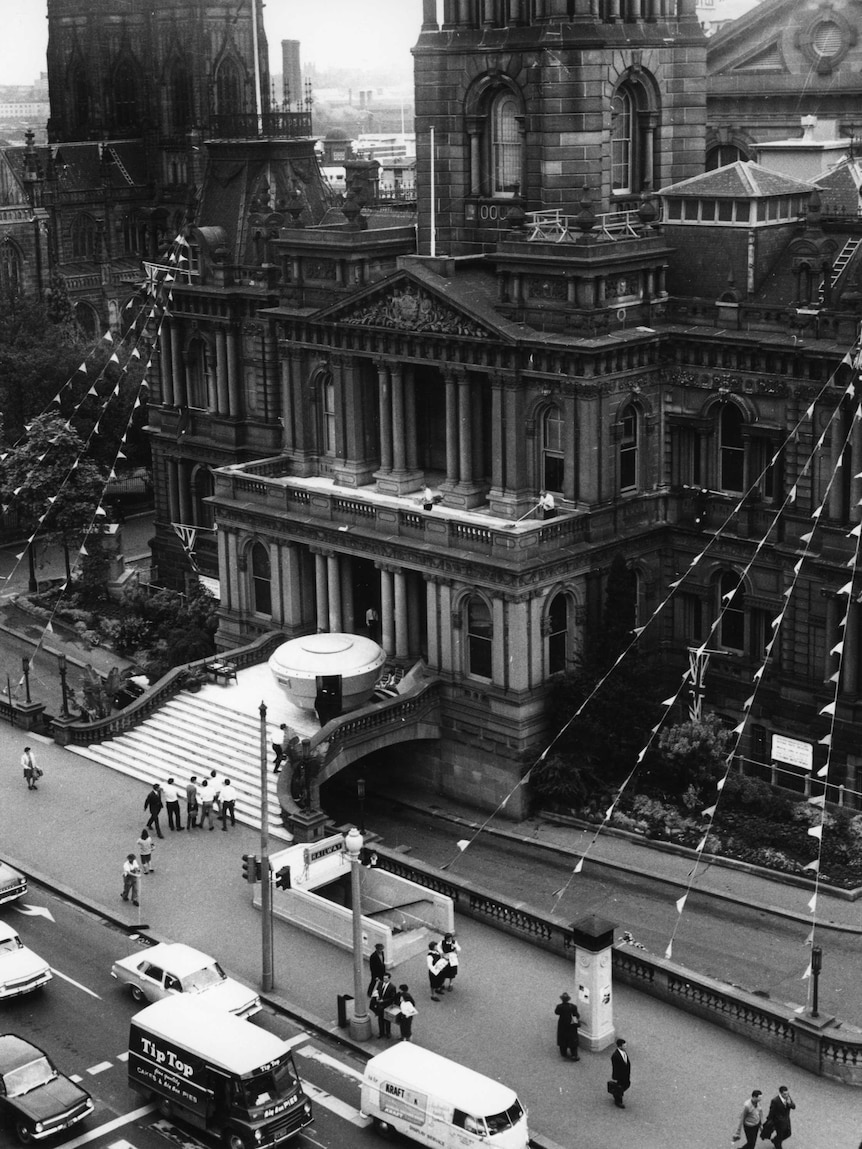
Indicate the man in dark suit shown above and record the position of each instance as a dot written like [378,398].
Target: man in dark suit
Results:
[384,994]
[779,1115]
[621,1072]
[377,962]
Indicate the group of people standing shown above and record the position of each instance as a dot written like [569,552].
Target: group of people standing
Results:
[774,1126]
[202,798]
[390,1003]
[442,965]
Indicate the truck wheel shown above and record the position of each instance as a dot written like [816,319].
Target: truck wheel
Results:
[382,1127]
[232,1140]
[164,1106]
[137,993]
[25,1132]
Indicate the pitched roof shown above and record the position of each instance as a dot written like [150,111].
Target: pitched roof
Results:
[739,180]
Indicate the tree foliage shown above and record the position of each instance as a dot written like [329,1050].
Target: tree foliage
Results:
[601,745]
[690,755]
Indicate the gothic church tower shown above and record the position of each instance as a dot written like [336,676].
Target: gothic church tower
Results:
[531,101]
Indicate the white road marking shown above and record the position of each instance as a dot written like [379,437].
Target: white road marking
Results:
[336,1105]
[121,1144]
[122,1057]
[324,1059]
[100,1068]
[76,984]
[35,911]
[108,1127]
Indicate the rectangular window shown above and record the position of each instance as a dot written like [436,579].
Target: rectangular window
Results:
[743,211]
[689,614]
[725,210]
[329,441]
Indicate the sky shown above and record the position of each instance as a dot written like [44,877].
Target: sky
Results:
[340,33]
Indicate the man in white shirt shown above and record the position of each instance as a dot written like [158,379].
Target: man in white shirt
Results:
[131,879]
[172,801]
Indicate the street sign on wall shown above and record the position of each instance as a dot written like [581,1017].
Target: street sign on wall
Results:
[792,751]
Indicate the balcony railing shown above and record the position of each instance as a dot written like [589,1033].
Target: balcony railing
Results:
[268,125]
[555,227]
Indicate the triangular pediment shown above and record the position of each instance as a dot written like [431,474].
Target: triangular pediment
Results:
[401,303]
[765,58]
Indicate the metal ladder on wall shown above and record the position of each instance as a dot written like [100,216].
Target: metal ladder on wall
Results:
[844,256]
[112,152]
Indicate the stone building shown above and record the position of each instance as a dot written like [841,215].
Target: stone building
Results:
[367,411]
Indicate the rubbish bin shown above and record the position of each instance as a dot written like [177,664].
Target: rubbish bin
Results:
[343,999]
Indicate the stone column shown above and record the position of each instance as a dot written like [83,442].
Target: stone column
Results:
[212,383]
[221,371]
[178,369]
[277,584]
[497,440]
[184,482]
[234,398]
[173,491]
[850,660]
[292,581]
[401,630]
[399,457]
[433,623]
[348,610]
[831,662]
[385,404]
[474,133]
[321,592]
[167,373]
[287,405]
[410,419]
[855,470]
[451,430]
[465,431]
[228,599]
[387,611]
[333,588]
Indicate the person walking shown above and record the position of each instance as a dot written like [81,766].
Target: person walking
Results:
[131,879]
[621,1073]
[228,804]
[216,793]
[407,1011]
[280,748]
[778,1119]
[31,770]
[436,970]
[383,996]
[450,949]
[171,796]
[568,1021]
[206,805]
[145,849]
[377,961]
[153,803]
[750,1121]
[192,802]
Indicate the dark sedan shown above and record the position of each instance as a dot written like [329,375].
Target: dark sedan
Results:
[35,1097]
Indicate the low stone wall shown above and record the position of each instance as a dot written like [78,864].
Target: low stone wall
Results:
[822,1046]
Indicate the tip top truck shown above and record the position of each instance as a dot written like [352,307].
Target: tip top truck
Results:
[438,1102]
[218,1073]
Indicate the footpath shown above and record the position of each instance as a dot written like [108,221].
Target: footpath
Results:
[689,1078]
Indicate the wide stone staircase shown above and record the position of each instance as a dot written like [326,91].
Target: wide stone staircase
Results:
[195,734]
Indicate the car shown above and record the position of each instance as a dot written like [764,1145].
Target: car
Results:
[12,884]
[21,970]
[171,967]
[38,1099]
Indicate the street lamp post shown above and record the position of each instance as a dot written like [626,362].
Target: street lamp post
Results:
[360,1023]
[62,664]
[266,979]
[25,662]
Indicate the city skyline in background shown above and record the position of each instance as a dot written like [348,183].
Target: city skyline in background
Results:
[333,34]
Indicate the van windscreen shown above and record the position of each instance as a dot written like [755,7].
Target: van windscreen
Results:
[500,1122]
[264,1088]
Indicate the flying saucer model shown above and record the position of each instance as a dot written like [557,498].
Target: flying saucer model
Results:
[345,665]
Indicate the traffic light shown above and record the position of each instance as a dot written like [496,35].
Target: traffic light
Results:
[250,868]
[282,878]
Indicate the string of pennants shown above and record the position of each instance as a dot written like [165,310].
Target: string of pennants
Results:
[153,299]
[853,360]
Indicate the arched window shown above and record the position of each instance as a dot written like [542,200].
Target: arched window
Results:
[261,579]
[628,450]
[180,97]
[328,442]
[558,634]
[83,235]
[199,371]
[731,449]
[553,458]
[480,633]
[80,91]
[11,270]
[204,486]
[125,92]
[87,319]
[228,88]
[506,147]
[623,128]
[722,155]
[731,629]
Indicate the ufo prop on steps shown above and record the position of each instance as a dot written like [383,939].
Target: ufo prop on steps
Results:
[344,668]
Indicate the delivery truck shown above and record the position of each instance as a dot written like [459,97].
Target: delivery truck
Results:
[218,1073]
[437,1102]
